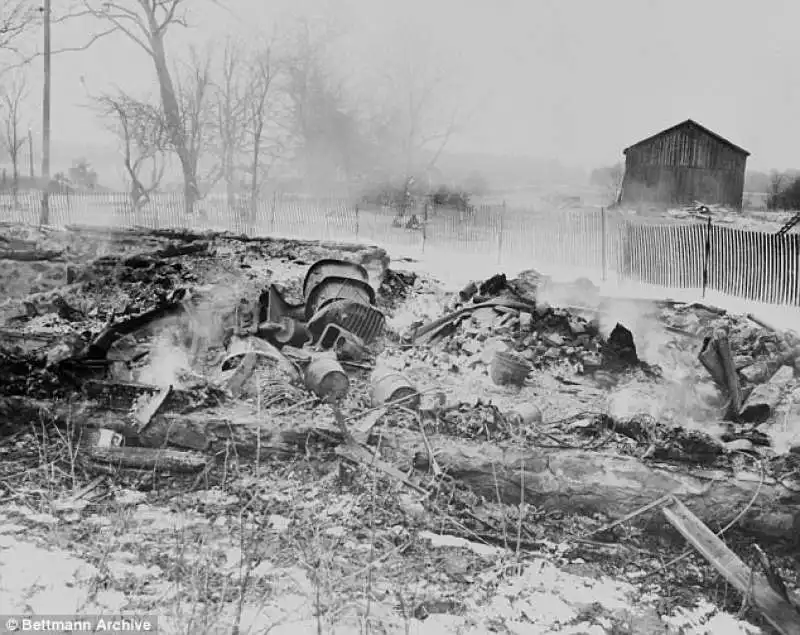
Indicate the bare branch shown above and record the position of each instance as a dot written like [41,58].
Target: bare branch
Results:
[16,17]
[147,23]
[23,59]
[414,124]
[122,19]
[139,126]
[12,137]
[67,49]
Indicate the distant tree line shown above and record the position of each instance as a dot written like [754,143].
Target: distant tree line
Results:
[241,114]
[415,193]
[609,179]
[782,188]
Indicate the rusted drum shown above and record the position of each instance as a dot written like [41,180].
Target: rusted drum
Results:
[326,378]
[338,288]
[332,267]
[389,388]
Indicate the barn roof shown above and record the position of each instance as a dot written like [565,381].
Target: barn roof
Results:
[689,122]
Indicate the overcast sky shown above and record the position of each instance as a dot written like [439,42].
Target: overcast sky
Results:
[571,80]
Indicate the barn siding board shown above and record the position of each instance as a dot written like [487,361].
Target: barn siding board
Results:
[684,164]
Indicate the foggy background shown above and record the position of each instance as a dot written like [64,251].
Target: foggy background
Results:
[552,89]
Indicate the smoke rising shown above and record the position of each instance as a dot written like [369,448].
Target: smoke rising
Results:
[181,345]
[684,394]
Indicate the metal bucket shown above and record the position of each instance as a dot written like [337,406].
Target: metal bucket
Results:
[507,369]
[525,414]
[390,388]
[326,378]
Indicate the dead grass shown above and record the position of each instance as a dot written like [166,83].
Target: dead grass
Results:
[313,544]
[297,550]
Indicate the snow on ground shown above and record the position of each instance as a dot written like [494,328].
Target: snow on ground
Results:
[144,555]
[40,575]
[456,268]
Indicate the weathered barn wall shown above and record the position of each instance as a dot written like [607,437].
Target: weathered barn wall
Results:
[683,165]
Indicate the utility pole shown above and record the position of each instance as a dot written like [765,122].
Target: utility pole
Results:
[44,217]
[30,156]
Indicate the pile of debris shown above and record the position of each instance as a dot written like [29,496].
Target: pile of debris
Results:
[147,345]
[198,348]
[506,318]
[754,366]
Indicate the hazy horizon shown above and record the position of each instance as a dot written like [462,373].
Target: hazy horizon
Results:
[570,82]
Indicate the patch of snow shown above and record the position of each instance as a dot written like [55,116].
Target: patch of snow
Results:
[33,579]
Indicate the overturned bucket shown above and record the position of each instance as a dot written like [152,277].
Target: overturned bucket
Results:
[393,388]
[508,369]
[525,414]
[326,378]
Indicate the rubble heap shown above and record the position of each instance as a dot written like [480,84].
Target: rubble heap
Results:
[506,314]
[754,366]
[198,348]
[193,351]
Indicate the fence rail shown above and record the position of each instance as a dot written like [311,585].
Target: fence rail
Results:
[748,264]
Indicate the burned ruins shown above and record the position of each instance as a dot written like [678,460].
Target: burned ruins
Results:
[161,355]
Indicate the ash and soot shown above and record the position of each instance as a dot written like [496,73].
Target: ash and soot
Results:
[192,375]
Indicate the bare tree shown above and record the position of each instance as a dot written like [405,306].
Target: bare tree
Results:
[776,182]
[16,17]
[263,141]
[12,136]
[777,189]
[140,128]
[318,124]
[147,23]
[416,112]
[229,115]
[616,174]
[193,90]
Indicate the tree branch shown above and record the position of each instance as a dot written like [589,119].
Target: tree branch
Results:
[118,15]
[16,17]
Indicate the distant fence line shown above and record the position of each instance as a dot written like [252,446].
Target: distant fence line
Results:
[748,264]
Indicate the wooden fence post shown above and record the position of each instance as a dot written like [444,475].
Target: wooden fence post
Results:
[327,213]
[357,222]
[706,255]
[603,239]
[272,212]
[425,229]
[500,233]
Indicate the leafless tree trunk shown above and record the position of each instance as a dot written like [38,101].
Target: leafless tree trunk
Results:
[141,131]
[193,89]
[777,181]
[147,23]
[229,106]
[13,138]
[257,117]
[318,123]
[417,118]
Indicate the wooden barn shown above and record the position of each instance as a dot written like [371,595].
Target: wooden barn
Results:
[681,165]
